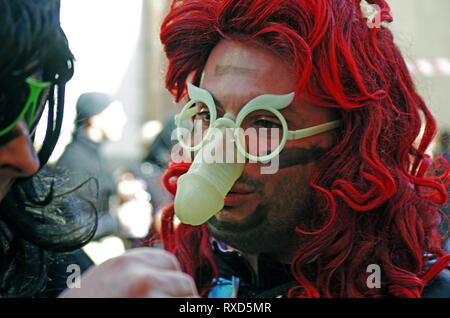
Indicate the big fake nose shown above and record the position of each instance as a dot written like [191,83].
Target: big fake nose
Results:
[201,191]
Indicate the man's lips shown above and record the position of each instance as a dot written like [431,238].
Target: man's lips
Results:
[237,195]
[240,189]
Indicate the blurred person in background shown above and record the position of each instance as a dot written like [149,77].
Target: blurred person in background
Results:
[101,119]
[444,151]
[153,166]
[444,141]
[159,151]
[42,224]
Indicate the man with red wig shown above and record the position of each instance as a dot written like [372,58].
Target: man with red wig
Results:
[352,210]
[337,199]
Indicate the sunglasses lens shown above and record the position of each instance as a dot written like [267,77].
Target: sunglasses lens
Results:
[11,96]
[22,99]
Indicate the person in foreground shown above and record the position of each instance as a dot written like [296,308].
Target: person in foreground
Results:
[42,225]
[337,199]
[357,199]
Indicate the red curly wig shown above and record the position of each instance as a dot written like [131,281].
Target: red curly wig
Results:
[381,191]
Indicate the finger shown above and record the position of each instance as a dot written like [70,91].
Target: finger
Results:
[152,257]
[185,285]
[156,283]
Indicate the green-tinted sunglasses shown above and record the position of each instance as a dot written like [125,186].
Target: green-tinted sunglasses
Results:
[37,93]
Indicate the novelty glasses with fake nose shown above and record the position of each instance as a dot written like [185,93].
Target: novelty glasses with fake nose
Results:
[32,94]
[259,119]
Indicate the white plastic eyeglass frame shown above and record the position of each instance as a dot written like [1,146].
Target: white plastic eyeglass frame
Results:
[276,102]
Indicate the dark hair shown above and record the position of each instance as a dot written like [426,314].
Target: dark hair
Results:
[379,194]
[36,220]
[32,40]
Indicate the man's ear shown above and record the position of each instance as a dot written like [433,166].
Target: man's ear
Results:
[88,122]
[92,121]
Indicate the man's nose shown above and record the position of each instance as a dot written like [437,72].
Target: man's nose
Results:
[17,157]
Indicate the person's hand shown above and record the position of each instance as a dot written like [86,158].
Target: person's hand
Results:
[138,273]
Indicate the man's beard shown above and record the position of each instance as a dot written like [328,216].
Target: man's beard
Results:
[270,229]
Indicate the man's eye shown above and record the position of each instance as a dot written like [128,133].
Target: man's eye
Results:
[264,123]
[204,115]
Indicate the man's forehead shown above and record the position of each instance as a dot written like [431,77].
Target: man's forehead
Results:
[221,70]
[239,59]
